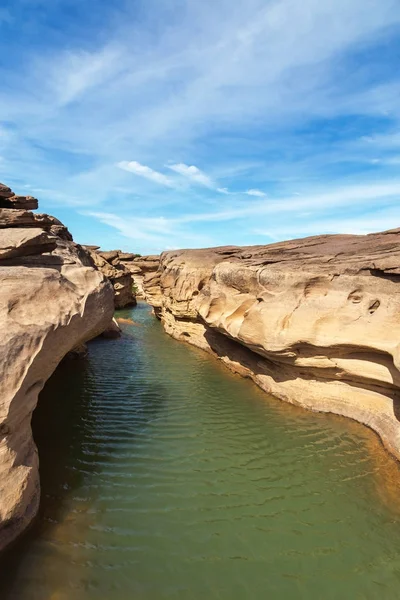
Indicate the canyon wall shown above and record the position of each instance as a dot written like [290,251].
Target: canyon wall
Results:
[315,322]
[139,266]
[52,300]
[111,264]
[125,270]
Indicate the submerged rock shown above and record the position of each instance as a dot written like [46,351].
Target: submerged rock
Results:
[315,322]
[113,330]
[52,300]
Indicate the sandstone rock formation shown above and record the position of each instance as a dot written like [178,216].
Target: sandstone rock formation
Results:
[10,200]
[315,322]
[52,300]
[139,266]
[111,264]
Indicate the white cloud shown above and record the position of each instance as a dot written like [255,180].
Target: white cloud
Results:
[146,172]
[75,73]
[144,229]
[389,160]
[348,197]
[192,173]
[219,87]
[155,233]
[258,193]
[386,140]
[289,216]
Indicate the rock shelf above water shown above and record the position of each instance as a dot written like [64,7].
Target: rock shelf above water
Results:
[52,300]
[112,265]
[315,321]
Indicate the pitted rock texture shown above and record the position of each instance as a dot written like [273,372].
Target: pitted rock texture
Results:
[52,300]
[315,322]
[111,265]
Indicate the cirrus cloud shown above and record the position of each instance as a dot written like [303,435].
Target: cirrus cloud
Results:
[193,173]
[257,193]
[143,171]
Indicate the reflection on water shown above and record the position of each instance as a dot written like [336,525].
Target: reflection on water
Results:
[165,476]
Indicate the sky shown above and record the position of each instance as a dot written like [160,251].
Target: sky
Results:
[149,125]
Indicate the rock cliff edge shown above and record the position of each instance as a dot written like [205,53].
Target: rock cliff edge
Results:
[52,299]
[315,322]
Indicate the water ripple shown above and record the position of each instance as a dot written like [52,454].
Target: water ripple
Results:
[165,476]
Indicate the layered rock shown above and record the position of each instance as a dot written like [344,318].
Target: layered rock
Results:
[114,268]
[315,322]
[140,266]
[10,200]
[52,300]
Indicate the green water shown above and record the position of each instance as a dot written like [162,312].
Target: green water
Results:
[164,476]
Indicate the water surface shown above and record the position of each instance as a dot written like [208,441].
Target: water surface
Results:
[164,476]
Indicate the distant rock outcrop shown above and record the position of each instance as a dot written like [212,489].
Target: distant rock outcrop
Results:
[140,266]
[112,264]
[10,200]
[52,299]
[315,322]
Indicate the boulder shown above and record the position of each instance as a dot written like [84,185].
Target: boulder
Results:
[113,330]
[127,256]
[10,217]
[22,242]
[25,202]
[110,255]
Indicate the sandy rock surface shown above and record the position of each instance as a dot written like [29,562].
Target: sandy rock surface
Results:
[315,322]
[112,266]
[140,266]
[52,300]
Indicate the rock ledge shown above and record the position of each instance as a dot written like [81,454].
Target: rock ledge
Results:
[52,300]
[315,322]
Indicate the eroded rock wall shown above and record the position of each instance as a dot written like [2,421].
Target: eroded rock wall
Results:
[113,264]
[315,322]
[52,300]
[140,266]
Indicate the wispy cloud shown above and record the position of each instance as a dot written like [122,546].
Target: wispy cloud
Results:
[343,197]
[75,73]
[379,221]
[312,214]
[258,193]
[146,172]
[268,99]
[193,173]
[157,232]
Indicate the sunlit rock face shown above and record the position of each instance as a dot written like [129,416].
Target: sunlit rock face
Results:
[111,264]
[140,266]
[316,322]
[52,300]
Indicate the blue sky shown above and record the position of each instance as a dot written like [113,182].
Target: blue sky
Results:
[157,124]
